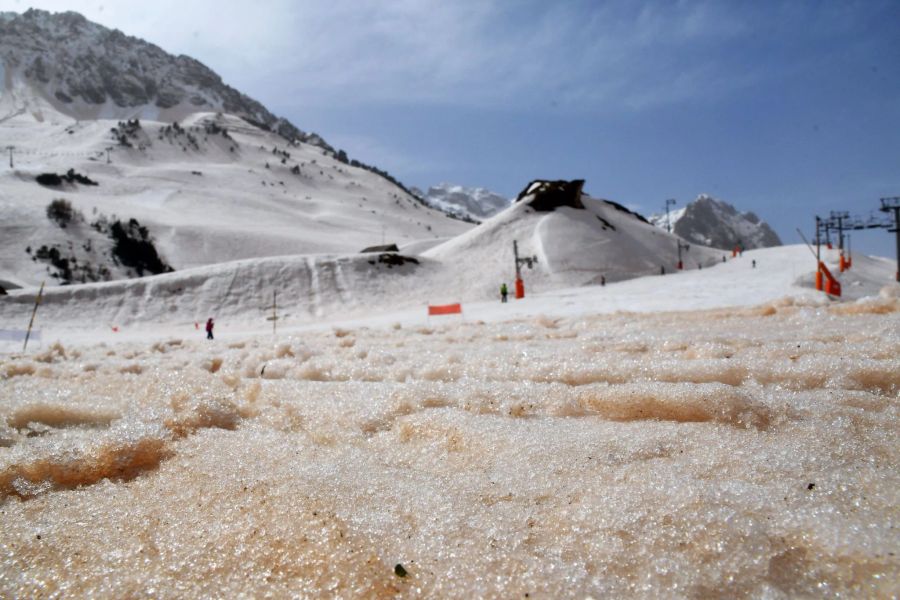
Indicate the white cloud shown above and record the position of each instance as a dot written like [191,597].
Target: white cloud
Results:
[580,56]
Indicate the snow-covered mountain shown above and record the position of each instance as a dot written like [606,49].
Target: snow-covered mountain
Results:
[87,71]
[471,204]
[227,181]
[717,224]
[577,240]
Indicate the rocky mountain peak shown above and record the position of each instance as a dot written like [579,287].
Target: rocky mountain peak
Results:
[86,70]
[718,224]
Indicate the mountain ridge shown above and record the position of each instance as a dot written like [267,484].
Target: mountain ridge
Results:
[472,204]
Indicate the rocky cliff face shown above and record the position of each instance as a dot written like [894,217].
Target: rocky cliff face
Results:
[717,224]
[87,71]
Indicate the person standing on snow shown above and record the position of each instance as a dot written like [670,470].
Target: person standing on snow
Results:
[209,328]
[503,292]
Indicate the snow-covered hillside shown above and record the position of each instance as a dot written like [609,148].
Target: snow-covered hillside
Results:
[717,224]
[212,190]
[472,204]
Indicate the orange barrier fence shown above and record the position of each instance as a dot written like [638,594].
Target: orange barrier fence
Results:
[445,309]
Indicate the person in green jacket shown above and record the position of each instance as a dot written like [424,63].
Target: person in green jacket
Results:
[503,292]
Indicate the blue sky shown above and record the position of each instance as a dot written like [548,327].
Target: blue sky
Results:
[787,108]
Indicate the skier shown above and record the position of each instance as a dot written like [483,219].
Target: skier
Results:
[602,280]
[754,263]
[503,292]
[209,328]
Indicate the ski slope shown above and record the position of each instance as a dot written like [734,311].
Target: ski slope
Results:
[318,291]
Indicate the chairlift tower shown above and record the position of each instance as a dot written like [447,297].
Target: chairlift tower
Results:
[837,222]
[526,260]
[892,204]
[842,221]
[669,202]
[685,247]
[837,219]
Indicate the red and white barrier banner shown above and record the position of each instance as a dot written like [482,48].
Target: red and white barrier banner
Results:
[445,309]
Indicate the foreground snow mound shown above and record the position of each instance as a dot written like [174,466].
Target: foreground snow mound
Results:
[308,287]
[717,224]
[730,453]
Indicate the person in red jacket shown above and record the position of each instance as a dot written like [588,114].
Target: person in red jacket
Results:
[209,328]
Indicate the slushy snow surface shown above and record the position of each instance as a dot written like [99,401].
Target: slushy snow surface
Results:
[559,449]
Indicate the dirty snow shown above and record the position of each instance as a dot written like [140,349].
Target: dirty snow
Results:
[723,452]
